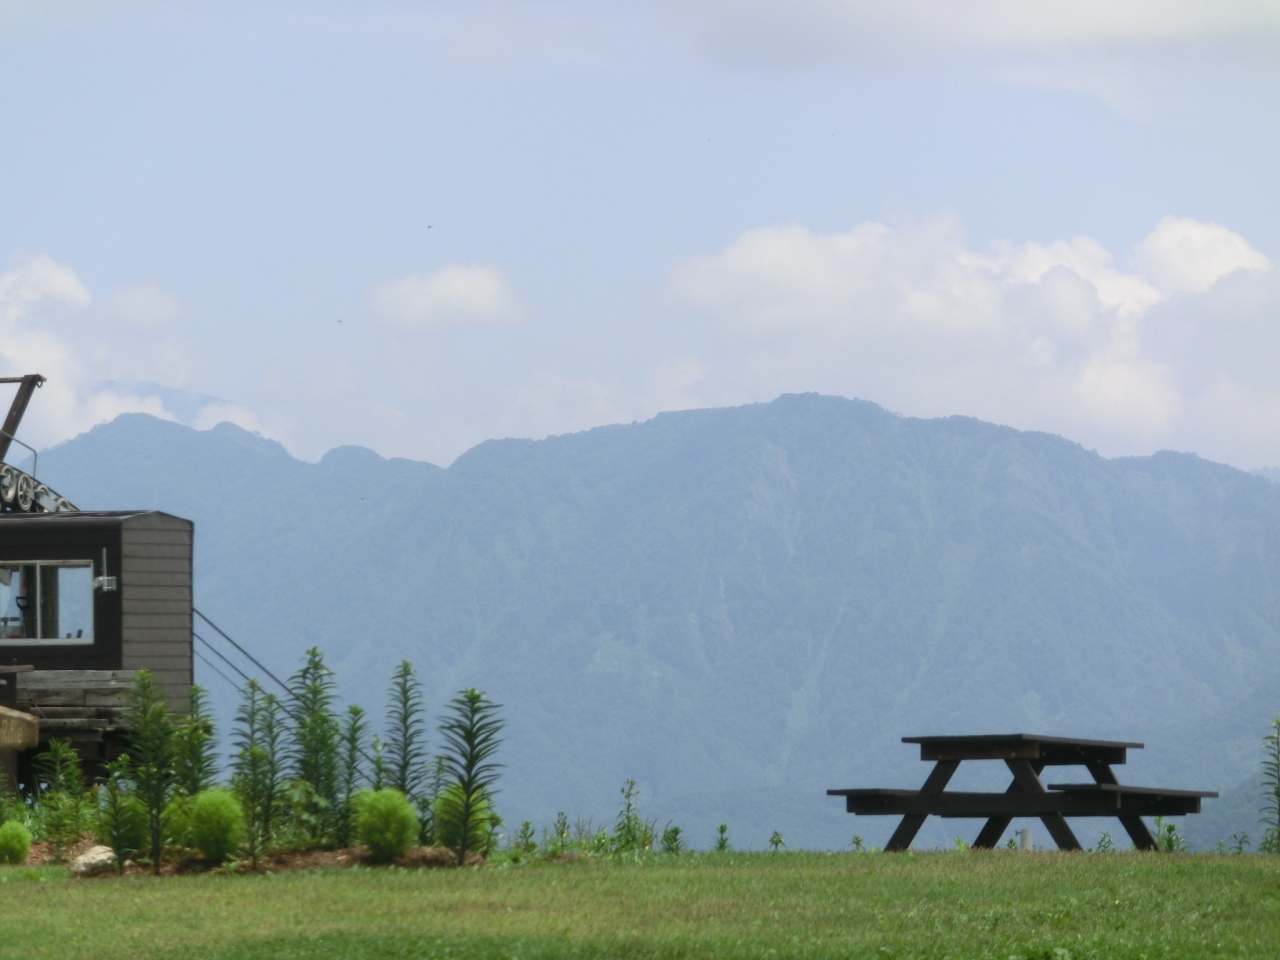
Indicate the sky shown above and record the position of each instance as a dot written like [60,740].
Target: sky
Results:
[417,226]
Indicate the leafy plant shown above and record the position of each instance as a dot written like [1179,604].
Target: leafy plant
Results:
[256,768]
[122,819]
[857,844]
[407,734]
[1270,819]
[462,826]
[672,841]
[386,824]
[315,748]
[961,844]
[351,774]
[217,827]
[1105,842]
[437,776]
[775,842]
[152,754]
[631,833]
[1239,841]
[1167,837]
[470,730]
[560,832]
[722,838]
[15,843]
[524,843]
[1011,844]
[62,796]
[195,766]
[381,772]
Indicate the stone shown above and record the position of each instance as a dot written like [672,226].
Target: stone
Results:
[93,861]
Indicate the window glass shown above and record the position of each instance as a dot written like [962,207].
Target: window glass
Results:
[46,603]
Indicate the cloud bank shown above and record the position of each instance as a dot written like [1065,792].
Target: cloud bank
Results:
[455,295]
[96,357]
[867,28]
[1164,351]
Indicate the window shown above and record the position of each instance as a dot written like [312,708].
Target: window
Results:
[46,602]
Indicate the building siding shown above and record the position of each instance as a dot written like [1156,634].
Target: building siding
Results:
[156,602]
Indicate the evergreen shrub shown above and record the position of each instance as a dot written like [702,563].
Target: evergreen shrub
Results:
[216,827]
[386,824]
[15,842]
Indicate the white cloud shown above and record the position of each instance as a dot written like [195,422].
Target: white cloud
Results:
[1187,256]
[144,306]
[454,295]
[1040,335]
[869,27]
[91,357]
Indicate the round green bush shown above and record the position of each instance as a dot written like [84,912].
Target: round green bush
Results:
[386,824]
[216,825]
[448,813]
[15,842]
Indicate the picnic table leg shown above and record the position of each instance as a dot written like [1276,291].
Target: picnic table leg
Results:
[1136,827]
[992,831]
[935,783]
[1028,781]
[994,828]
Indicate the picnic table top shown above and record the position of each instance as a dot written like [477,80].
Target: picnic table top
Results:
[1023,746]
[22,668]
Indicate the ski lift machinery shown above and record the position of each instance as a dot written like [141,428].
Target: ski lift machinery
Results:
[87,598]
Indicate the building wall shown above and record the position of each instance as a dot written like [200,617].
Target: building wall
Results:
[155,583]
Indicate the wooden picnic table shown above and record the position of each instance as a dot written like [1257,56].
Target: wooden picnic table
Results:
[1026,756]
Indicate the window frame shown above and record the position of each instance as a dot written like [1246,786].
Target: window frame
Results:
[38,641]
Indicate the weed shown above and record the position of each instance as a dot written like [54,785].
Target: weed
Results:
[560,831]
[672,842]
[1167,837]
[776,842]
[1105,842]
[631,833]
[1239,841]
[524,843]
[961,844]
[857,844]
[722,838]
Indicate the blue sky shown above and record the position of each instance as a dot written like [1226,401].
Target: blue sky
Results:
[414,226]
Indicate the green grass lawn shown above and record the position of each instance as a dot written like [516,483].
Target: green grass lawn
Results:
[965,904]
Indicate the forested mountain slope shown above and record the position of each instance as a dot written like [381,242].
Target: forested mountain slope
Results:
[742,607]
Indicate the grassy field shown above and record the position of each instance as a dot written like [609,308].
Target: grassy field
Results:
[936,905]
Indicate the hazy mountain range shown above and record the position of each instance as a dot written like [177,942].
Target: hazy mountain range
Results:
[740,608]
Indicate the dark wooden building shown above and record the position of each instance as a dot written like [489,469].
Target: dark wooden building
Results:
[86,599]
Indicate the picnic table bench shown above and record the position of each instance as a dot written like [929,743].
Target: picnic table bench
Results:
[1026,756]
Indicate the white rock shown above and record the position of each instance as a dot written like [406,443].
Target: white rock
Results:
[93,861]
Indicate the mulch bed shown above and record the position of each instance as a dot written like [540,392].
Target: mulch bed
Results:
[177,862]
